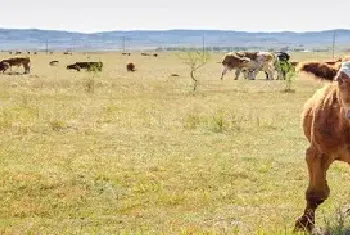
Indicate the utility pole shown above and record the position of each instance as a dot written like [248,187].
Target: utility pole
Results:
[123,43]
[47,46]
[203,44]
[334,45]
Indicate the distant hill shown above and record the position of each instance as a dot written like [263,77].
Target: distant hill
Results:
[35,39]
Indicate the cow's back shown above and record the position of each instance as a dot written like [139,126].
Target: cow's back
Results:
[248,54]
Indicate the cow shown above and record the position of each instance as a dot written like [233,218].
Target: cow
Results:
[326,125]
[145,54]
[4,66]
[126,53]
[250,63]
[130,67]
[53,63]
[19,61]
[89,66]
[321,70]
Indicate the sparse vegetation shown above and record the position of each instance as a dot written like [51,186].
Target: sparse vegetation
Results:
[142,156]
[290,77]
[194,60]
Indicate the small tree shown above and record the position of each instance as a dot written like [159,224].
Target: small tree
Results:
[290,76]
[194,60]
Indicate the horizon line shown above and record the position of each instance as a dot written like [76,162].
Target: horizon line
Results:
[175,29]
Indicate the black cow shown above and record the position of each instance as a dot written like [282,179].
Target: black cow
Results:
[86,65]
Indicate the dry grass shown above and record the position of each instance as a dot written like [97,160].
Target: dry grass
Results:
[140,153]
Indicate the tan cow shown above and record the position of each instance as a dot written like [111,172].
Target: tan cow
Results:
[250,63]
[326,124]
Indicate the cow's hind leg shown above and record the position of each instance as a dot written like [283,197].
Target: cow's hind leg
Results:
[317,191]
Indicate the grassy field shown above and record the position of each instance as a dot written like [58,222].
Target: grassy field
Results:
[141,153]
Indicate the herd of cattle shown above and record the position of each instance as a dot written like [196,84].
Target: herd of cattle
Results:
[25,62]
[250,63]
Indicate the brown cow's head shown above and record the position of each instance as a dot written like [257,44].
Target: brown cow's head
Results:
[343,78]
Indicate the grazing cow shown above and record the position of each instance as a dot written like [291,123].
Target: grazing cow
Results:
[89,66]
[326,124]
[155,54]
[145,54]
[19,61]
[126,53]
[53,63]
[130,67]
[250,63]
[4,66]
[321,70]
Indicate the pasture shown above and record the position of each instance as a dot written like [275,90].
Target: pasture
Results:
[117,152]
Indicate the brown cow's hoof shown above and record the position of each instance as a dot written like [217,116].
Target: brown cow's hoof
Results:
[304,224]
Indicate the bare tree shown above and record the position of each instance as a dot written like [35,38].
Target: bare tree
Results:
[194,60]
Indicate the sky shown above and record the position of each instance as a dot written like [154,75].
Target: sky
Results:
[90,16]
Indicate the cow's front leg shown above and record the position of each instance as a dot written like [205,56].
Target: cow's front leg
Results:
[246,74]
[224,71]
[317,191]
[237,73]
[271,71]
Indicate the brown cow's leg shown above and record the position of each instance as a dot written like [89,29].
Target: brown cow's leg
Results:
[318,190]
[237,72]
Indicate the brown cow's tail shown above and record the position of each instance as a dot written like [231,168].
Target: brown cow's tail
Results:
[320,70]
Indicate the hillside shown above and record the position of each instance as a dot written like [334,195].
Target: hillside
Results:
[34,39]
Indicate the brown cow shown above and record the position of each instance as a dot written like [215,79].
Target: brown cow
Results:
[130,67]
[321,70]
[326,124]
